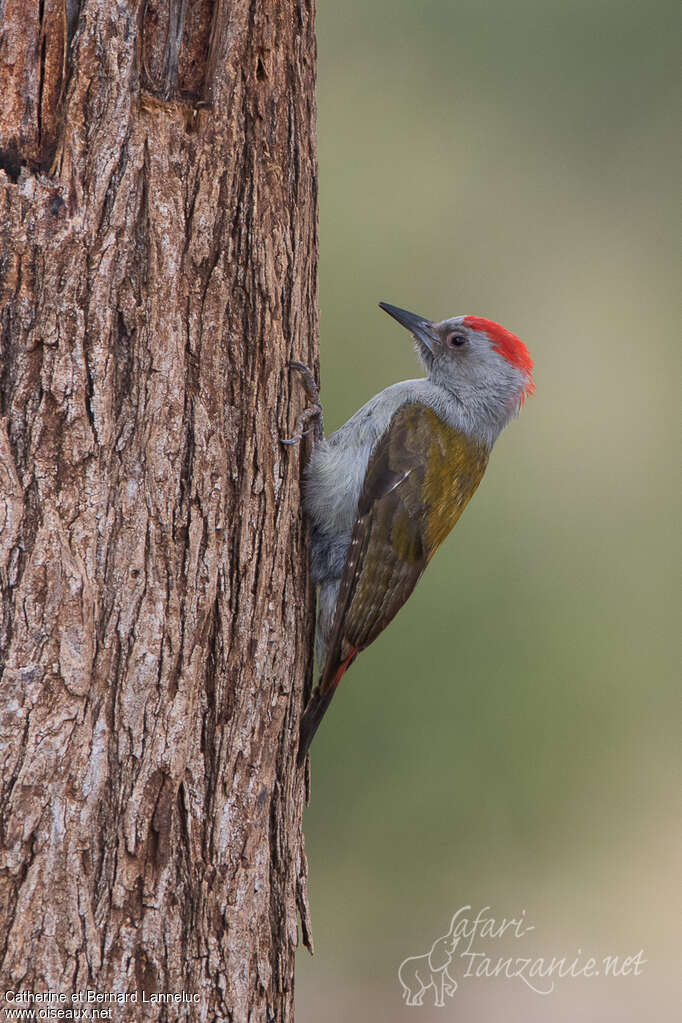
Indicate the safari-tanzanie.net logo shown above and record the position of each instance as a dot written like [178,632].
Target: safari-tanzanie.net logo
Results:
[467,952]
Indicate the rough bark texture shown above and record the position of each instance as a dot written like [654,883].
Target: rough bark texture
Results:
[158,270]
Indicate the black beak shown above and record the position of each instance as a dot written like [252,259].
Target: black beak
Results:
[420,327]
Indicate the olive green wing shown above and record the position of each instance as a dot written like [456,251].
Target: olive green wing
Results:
[388,551]
[419,478]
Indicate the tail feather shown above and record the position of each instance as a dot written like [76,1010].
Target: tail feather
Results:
[311,719]
[318,703]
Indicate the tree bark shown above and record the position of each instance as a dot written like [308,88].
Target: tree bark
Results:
[158,222]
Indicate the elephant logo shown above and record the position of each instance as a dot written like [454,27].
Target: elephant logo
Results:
[418,973]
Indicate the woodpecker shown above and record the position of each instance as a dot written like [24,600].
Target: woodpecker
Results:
[386,488]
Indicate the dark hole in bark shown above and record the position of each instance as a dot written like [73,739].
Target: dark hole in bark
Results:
[11,163]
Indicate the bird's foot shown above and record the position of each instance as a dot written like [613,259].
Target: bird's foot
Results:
[313,411]
[311,388]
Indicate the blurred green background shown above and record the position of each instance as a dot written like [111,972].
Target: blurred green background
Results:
[513,738]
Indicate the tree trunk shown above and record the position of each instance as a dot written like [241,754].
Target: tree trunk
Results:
[158,270]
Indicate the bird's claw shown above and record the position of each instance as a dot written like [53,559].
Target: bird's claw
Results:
[296,438]
[312,411]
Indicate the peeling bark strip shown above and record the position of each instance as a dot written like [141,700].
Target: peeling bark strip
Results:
[157,272]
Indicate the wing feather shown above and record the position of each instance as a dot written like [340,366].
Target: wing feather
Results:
[419,478]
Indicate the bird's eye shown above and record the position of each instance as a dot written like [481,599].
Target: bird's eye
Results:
[456,340]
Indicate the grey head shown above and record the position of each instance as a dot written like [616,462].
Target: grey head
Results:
[481,364]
